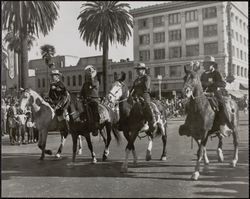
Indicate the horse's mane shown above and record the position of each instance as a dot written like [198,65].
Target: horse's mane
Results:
[38,99]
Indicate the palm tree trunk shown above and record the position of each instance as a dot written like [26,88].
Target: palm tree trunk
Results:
[104,66]
[24,63]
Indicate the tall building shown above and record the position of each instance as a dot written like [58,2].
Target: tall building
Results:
[168,36]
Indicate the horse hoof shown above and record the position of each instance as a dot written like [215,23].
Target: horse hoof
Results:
[79,152]
[58,156]
[104,158]
[195,175]
[41,158]
[164,158]
[49,152]
[94,160]
[234,163]
[124,170]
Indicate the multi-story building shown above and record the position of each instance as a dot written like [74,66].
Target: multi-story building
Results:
[168,36]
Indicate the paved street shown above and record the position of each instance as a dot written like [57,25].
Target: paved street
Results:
[23,175]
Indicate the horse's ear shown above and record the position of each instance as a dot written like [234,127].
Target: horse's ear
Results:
[196,66]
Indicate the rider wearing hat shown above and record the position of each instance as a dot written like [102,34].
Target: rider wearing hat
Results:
[89,93]
[141,89]
[59,96]
[212,82]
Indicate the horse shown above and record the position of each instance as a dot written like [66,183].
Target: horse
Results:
[45,119]
[202,121]
[132,121]
[107,120]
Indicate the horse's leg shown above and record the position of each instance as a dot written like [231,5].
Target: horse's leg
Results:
[128,148]
[107,143]
[206,160]
[74,139]
[150,145]
[219,150]
[164,141]
[236,150]
[43,133]
[64,135]
[90,146]
[79,137]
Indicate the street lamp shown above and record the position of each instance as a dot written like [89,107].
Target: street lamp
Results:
[159,77]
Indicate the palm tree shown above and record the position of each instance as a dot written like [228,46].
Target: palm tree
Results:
[28,18]
[14,44]
[104,22]
[47,52]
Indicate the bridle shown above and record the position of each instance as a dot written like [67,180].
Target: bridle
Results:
[117,101]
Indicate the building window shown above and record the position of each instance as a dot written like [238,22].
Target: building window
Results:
[158,21]
[43,82]
[245,72]
[210,12]
[245,56]
[38,83]
[74,80]
[143,23]
[130,75]
[68,80]
[241,54]
[210,30]
[236,20]
[244,39]
[160,71]
[232,17]
[240,39]
[244,26]
[232,33]
[233,51]
[175,71]
[159,37]
[237,53]
[192,50]
[159,53]
[174,18]
[191,15]
[241,72]
[174,52]
[174,35]
[115,76]
[233,69]
[240,23]
[238,70]
[211,48]
[192,33]
[144,39]
[79,80]
[144,55]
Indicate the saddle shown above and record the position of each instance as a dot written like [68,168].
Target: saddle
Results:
[213,101]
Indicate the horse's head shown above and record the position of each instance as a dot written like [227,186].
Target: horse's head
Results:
[118,91]
[191,79]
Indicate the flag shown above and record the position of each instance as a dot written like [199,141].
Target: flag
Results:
[5,58]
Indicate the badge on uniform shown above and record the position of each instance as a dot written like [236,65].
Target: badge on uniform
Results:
[90,86]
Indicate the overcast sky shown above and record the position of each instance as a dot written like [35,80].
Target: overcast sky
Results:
[66,38]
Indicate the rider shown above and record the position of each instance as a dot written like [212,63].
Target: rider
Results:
[60,98]
[141,89]
[89,92]
[212,82]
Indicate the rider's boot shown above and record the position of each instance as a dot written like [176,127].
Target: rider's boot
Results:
[150,118]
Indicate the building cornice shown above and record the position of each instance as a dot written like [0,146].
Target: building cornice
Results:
[171,6]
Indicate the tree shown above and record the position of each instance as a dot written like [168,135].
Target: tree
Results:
[47,52]
[104,22]
[28,18]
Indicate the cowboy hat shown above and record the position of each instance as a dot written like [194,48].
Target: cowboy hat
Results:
[211,60]
[91,69]
[55,72]
[141,66]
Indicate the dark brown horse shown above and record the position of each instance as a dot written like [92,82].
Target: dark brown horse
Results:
[132,120]
[202,120]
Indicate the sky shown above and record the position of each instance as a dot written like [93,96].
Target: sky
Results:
[65,36]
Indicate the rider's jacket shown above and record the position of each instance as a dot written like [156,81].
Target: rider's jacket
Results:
[141,85]
[211,81]
[90,89]
[57,91]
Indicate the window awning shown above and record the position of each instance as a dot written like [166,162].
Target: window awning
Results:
[243,86]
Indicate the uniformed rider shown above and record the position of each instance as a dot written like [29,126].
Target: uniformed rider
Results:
[212,82]
[141,89]
[60,98]
[90,94]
